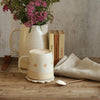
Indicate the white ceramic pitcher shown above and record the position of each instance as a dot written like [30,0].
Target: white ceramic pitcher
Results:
[36,39]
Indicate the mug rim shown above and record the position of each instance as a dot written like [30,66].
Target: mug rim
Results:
[33,51]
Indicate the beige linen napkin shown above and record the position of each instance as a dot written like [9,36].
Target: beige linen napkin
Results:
[76,68]
[67,68]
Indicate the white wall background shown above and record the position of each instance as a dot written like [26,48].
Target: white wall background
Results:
[80,20]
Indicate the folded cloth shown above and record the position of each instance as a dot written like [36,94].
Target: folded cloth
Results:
[62,61]
[89,69]
[76,68]
[66,65]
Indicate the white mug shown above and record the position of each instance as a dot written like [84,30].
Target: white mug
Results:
[41,65]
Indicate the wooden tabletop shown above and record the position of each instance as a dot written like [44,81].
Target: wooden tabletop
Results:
[14,86]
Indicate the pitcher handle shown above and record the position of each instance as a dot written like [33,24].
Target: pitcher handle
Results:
[19,66]
[10,44]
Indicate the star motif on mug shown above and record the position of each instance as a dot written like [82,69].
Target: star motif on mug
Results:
[52,63]
[35,65]
[45,65]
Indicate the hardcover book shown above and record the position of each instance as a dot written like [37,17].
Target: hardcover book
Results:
[51,41]
[56,47]
[61,44]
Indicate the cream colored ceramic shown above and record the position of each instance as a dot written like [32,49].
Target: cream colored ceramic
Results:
[40,64]
[36,39]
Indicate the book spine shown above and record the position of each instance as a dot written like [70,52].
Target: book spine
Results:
[56,48]
[51,42]
[61,44]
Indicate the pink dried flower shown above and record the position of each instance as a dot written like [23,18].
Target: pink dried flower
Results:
[37,3]
[34,15]
[45,15]
[31,3]
[30,7]
[29,24]
[44,4]
[40,18]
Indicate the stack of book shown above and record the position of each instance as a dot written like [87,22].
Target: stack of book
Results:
[56,44]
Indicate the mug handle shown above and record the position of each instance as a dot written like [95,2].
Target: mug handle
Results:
[19,66]
[10,44]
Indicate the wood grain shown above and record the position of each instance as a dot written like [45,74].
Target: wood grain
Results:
[14,86]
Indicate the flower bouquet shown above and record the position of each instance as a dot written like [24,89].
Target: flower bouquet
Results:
[30,12]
